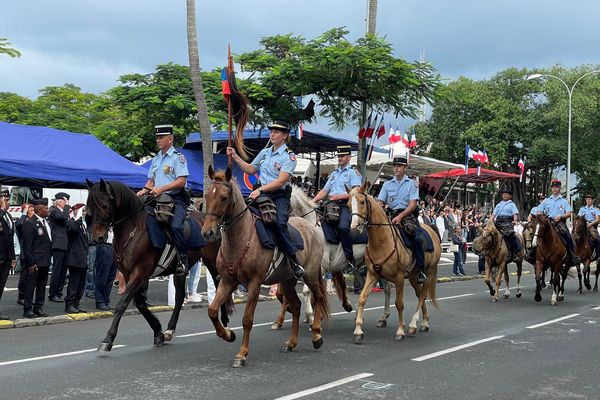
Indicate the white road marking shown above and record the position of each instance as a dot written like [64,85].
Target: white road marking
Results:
[456,348]
[326,386]
[71,353]
[596,308]
[552,321]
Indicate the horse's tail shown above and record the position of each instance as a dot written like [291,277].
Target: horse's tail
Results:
[323,304]
[339,281]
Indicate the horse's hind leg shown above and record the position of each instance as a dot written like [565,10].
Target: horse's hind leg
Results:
[134,285]
[499,274]
[519,273]
[278,323]
[487,278]
[399,283]
[421,293]
[579,276]
[140,301]
[597,273]
[387,291]
[506,282]
[179,283]
[340,287]
[586,275]
[289,291]
[309,311]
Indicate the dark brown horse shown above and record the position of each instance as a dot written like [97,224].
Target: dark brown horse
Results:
[112,204]
[242,259]
[551,253]
[583,249]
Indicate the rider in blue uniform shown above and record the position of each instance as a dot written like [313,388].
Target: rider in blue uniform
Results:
[505,216]
[168,174]
[558,209]
[401,194]
[276,164]
[343,177]
[592,216]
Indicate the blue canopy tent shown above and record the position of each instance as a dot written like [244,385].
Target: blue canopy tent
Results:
[47,157]
[195,181]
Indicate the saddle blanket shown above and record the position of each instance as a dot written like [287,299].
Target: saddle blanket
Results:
[267,237]
[421,235]
[158,238]
[332,237]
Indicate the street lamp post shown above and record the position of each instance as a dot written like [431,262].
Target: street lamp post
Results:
[570,92]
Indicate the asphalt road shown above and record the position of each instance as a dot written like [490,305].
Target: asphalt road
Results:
[476,349]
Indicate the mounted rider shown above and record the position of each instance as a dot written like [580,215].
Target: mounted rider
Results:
[168,174]
[558,209]
[400,194]
[343,177]
[592,217]
[275,164]
[505,216]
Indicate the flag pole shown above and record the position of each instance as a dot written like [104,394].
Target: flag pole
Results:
[229,117]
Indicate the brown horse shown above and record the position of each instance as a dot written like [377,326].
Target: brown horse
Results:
[112,204]
[584,249]
[387,257]
[491,243]
[242,259]
[551,253]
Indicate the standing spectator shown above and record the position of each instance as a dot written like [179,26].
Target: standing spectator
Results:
[90,276]
[192,283]
[76,260]
[457,242]
[7,243]
[441,226]
[27,210]
[37,251]
[59,215]
[106,271]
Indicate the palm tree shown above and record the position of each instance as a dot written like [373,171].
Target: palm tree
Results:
[205,132]
[5,48]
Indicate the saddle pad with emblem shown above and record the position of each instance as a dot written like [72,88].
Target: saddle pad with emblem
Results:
[421,235]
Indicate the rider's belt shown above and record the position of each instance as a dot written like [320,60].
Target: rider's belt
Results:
[504,218]
[341,203]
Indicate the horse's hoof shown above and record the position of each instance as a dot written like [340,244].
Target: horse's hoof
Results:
[424,329]
[595,288]
[286,348]
[238,362]
[347,307]
[579,291]
[492,292]
[553,303]
[105,347]
[159,340]
[358,339]
[506,296]
[537,297]
[588,286]
[518,295]
[231,339]
[494,299]
[275,326]
[317,344]
[398,338]
[381,323]
[412,331]
[169,336]
[560,297]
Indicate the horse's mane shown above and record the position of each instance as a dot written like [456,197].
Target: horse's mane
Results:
[125,200]
[580,227]
[301,205]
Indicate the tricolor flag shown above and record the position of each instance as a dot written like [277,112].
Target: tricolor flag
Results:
[381,129]
[468,154]
[521,166]
[300,132]
[371,128]
[225,88]
[413,139]
[486,159]
[363,130]
[405,139]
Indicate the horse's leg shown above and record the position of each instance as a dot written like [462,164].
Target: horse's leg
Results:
[179,283]
[586,274]
[340,287]
[134,284]
[318,289]
[421,293]
[289,291]
[543,283]
[539,278]
[308,300]
[562,278]
[399,283]
[278,323]
[362,299]
[387,291]
[488,272]
[506,281]
[212,269]
[579,276]
[555,288]
[253,287]
[519,273]
[140,301]
[597,273]
[224,291]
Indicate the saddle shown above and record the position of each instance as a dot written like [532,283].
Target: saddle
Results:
[264,229]
[331,235]
[420,234]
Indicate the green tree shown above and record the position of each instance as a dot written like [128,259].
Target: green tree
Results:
[6,48]
[14,108]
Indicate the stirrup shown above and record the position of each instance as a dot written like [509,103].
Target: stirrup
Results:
[421,278]
[181,268]
[298,271]
[349,268]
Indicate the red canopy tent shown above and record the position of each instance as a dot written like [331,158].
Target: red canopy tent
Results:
[485,175]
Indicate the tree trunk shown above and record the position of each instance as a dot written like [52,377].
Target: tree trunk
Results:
[205,132]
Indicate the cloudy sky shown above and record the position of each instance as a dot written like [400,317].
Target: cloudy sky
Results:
[91,43]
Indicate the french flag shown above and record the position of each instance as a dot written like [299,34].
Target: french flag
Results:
[469,153]
[413,139]
[405,139]
[300,133]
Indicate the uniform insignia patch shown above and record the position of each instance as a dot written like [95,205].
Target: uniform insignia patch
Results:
[277,165]
[182,158]
[168,169]
[40,231]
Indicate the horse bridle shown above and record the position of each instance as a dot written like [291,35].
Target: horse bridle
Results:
[365,219]
[221,222]
[112,224]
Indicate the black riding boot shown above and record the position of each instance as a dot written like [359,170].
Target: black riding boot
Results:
[182,265]
[422,277]
[297,270]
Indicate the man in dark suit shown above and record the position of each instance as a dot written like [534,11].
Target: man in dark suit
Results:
[37,252]
[76,260]
[59,215]
[7,243]
[27,210]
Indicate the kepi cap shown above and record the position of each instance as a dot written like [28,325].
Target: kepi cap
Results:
[40,202]
[399,161]
[556,183]
[506,190]
[280,126]
[61,196]
[344,150]
[162,130]
[589,196]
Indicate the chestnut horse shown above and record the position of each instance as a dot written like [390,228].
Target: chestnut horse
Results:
[491,243]
[387,257]
[551,253]
[242,259]
[112,204]
[584,250]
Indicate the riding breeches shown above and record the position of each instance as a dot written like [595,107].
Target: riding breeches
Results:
[343,230]
[179,212]
[280,230]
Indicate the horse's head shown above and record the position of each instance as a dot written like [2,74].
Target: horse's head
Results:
[218,202]
[99,206]
[359,206]
[527,234]
[579,227]
[486,239]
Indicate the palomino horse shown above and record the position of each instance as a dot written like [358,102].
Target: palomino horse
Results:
[491,243]
[112,204]
[584,249]
[387,257]
[551,253]
[242,259]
